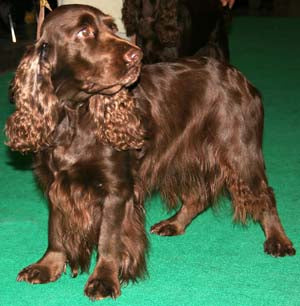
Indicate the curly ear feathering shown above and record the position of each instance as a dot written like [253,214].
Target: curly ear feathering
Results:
[31,126]
[118,120]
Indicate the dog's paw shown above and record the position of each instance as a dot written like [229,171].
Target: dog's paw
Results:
[277,248]
[165,228]
[100,288]
[37,274]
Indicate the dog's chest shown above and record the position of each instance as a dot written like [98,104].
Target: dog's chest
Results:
[75,143]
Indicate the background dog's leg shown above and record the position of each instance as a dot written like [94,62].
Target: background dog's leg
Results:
[192,206]
[104,281]
[50,267]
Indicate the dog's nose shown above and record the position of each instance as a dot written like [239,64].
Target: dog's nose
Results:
[133,56]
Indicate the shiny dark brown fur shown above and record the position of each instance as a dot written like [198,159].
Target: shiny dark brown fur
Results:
[206,125]
[71,113]
[194,130]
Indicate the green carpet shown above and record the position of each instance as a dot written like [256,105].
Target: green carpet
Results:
[216,262]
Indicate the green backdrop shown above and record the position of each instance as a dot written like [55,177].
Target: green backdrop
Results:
[216,262]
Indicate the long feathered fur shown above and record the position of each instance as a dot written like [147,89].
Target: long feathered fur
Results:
[35,118]
[73,113]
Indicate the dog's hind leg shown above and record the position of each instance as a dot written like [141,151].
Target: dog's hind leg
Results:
[258,201]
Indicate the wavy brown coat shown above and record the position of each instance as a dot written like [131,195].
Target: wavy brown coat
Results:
[206,126]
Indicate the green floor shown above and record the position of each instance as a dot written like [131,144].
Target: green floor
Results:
[215,262]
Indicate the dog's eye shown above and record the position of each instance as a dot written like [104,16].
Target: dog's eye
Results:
[86,33]
[113,27]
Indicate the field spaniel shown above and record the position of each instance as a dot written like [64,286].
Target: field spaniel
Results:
[191,129]
[169,29]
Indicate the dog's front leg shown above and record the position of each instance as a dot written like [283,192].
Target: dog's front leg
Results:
[50,267]
[104,281]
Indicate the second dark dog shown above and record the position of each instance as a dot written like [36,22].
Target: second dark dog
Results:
[169,29]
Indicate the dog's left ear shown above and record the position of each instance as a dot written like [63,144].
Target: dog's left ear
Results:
[117,120]
[30,127]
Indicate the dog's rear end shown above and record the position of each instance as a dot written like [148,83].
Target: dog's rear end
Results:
[207,126]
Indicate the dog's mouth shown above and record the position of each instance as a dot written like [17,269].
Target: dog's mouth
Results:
[132,75]
[129,78]
[93,86]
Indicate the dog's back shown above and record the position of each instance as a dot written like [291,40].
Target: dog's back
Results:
[201,109]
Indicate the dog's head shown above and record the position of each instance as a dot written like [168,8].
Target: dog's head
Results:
[78,55]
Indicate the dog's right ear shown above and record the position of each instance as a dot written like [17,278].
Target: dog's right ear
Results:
[30,127]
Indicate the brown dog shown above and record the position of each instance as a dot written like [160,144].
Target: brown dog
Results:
[77,136]
[203,125]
